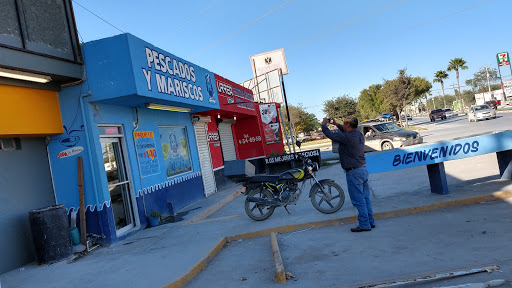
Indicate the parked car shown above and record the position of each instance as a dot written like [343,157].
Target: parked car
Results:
[448,112]
[492,103]
[320,135]
[385,117]
[409,117]
[386,136]
[481,112]
[304,137]
[436,114]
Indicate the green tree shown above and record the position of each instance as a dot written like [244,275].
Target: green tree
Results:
[440,76]
[340,107]
[397,92]
[302,121]
[469,97]
[420,87]
[403,90]
[456,64]
[370,104]
[479,80]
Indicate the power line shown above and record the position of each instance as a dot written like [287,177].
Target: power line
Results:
[241,29]
[98,16]
[346,25]
[192,18]
[409,29]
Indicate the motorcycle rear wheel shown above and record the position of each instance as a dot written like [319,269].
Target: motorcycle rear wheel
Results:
[333,201]
[259,212]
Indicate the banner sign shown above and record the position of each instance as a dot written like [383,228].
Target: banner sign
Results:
[503,59]
[402,158]
[146,153]
[265,62]
[270,125]
[175,150]
[507,86]
[234,97]
[294,156]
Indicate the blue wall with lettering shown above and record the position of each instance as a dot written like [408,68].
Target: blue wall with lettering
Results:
[438,152]
[129,71]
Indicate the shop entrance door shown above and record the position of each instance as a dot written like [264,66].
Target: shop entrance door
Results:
[118,183]
[227,142]
[205,159]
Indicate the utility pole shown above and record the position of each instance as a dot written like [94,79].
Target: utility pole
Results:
[488,84]
[461,101]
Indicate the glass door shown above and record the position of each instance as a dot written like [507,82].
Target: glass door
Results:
[118,183]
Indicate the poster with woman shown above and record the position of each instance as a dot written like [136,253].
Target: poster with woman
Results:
[175,150]
[268,114]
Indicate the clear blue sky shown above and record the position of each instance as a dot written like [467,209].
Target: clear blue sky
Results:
[332,47]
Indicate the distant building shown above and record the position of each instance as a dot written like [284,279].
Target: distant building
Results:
[481,98]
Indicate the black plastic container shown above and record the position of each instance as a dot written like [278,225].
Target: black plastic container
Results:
[50,232]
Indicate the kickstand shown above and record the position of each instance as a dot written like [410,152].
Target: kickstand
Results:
[287,210]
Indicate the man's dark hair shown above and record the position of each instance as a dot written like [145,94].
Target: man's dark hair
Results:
[352,121]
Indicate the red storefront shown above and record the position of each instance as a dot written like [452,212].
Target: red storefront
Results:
[240,129]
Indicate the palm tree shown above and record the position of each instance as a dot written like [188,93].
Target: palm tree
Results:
[456,64]
[439,77]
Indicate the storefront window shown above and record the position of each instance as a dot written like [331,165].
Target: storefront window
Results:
[175,150]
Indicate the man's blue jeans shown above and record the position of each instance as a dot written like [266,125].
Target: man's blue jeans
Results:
[359,191]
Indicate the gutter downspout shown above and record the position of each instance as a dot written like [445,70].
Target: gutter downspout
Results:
[94,183]
[47,141]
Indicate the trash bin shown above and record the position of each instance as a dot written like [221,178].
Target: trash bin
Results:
[50,232]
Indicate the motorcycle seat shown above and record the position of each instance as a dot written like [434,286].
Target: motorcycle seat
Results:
[263,178]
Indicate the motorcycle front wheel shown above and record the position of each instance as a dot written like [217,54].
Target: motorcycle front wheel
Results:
[259,212]
[330,201]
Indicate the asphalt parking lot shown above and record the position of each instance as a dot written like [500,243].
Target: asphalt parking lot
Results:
[446,240]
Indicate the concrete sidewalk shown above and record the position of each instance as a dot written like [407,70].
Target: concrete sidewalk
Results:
[171,255]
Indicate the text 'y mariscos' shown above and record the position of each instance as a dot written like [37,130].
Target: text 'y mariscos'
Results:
[435,153]
[176,85]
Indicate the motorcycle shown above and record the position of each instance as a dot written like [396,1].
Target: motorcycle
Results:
[265,193]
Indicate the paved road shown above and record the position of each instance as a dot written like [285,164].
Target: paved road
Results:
[443,130]
[401,248]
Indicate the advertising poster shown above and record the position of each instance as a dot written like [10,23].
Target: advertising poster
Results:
[270,125]
[175,150]
[214,143]
[146,152]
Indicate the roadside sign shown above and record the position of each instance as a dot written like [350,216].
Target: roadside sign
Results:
[503,59]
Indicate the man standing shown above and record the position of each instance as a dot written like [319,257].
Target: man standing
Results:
[351,150]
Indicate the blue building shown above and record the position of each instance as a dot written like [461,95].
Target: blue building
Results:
[131,122]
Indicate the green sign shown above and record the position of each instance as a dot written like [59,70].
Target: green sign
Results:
[503,59]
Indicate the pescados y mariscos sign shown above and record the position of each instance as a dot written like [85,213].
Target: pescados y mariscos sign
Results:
[175,79]
[439,152]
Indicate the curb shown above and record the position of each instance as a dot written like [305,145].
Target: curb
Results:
[278,261]
[190,274]
[198,267]
[201,216]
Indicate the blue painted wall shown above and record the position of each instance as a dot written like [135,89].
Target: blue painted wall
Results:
[114,93]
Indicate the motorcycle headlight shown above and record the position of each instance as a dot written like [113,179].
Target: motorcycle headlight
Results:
[399,139]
